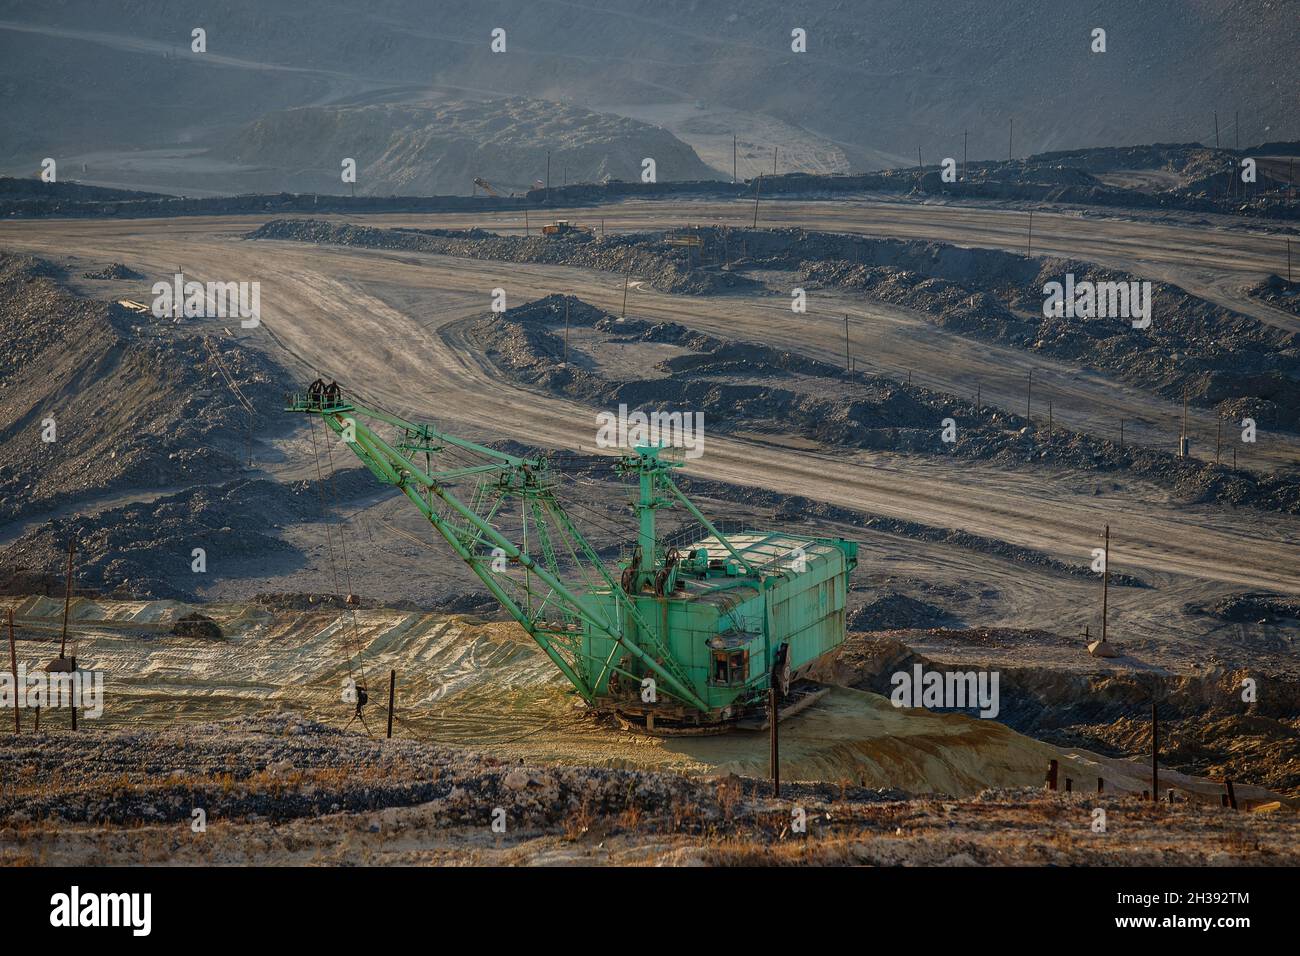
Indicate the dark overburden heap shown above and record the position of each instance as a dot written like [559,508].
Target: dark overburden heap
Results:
[135,402]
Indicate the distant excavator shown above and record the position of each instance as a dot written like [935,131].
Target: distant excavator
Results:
[562,227]
[487,187]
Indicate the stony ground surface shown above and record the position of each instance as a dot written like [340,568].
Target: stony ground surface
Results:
[135,401]
[279,790]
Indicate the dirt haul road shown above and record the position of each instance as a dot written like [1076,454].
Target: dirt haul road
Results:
[326,311]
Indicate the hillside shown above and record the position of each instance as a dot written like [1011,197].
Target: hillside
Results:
[431,148]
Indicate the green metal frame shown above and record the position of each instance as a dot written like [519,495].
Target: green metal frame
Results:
[467,532]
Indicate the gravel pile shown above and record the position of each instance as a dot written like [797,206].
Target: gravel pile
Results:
[114,271]
[1218,357]
[136,402]
[146,549]
[643,256]
[895,611]
[1278,292]
[1257,607]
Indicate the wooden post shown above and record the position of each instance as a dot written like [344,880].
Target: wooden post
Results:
[733,157]
[758,188]
[1029,393]
[1101,785]
[13,666]
[977,397]
[1030,251]
[1105,583]
[1052,768]
[1232,793]
[1155,754]
[526,233]
[965,170]
[1223,800]
[392,689]
[73,703]
[67,599]
[775,755]
[566,331]
[847,360]
[1171,794]
[626,276]
[1011,134]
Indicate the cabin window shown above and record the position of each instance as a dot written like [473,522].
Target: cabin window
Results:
[730,667]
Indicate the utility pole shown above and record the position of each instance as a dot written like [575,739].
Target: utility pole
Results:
[67,599]
[548,176]
[1236,125]
[13,666]
[626,275]
[758,188]
[566,330]
[774,149]
[1155,753]
[526,222]
[1105,583]
[1030,251]
[392,690]
[1184,445]
[774,754]
[733,158]
[1049,419]
[847,361]
[1029,392]
[1011,137]
[1121,433]
[1288,260]
[1216,129]
[1218,438]
[965,167]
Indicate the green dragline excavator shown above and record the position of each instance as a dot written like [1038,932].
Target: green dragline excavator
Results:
[685,634]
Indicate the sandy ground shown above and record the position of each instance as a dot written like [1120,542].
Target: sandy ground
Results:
[484,686]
